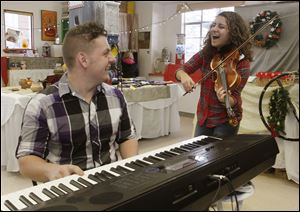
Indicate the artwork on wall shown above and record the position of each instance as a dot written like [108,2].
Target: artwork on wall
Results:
[49,25]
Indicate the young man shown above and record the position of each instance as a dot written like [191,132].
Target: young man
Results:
[79,122]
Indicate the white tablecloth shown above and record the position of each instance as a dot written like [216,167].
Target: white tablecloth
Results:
[34,74]
[288,156]
[151,119]
[157,117]
[12,109]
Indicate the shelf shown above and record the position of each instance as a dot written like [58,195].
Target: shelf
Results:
[156,74]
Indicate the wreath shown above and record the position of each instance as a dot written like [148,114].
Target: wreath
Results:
[269,39]
[278,109]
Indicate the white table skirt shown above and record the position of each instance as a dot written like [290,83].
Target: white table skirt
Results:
[288,156]
[158,117]
[10,132]
[12,109]
[34,74]
[151,119]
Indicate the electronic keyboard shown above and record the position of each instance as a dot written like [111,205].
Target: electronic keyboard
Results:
[174,177]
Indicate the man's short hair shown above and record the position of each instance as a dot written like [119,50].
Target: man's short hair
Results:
[80,38]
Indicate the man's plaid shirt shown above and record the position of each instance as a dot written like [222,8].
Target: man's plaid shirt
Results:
[60,127]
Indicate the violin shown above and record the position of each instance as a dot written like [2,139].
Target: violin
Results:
[226,75]
[228,78]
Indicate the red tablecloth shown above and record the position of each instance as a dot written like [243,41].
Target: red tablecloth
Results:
[4,70]
[169,74]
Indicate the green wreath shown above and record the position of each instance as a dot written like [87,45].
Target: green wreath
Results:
[278,109]
[271,38]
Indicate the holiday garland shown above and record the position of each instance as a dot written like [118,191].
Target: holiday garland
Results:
[278,109]
[269,39]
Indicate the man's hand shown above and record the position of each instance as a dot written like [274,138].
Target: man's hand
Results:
[56,171]
[40,170]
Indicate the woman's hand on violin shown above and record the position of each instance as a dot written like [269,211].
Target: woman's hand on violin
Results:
[221,94]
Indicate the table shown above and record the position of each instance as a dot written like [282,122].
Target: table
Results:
[156,117]
[34,74]
[12,109]
[288,156]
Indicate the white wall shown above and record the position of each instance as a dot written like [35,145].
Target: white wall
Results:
[144,13]
[35,7]
[163,36]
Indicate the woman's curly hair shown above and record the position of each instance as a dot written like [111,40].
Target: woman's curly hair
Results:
[239,33]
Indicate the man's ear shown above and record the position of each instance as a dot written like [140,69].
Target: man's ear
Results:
[82,59]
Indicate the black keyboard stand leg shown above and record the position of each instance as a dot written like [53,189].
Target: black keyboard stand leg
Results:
[34,183]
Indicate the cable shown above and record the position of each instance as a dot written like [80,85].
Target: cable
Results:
[233,190]
[219,187]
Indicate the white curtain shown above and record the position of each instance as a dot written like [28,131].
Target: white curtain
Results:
[128,32]
[123,41]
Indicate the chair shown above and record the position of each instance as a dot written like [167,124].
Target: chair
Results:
[243,193]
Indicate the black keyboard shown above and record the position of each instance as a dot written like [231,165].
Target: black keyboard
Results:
[174,177]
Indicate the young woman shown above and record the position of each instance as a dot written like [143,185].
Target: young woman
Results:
[227,32]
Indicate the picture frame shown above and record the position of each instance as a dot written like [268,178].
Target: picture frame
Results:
[49,25]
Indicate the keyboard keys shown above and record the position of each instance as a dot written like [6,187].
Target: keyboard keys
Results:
[93,177]
[76,184]
[156,158]
[124,169]
[65,188]
[57,191]
[25,201]
[120,172]
[10,206]
[84,182]
[108,174]
[35,197]
[150,160]
[101,176]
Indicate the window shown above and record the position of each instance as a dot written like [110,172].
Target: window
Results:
[196,25]
[18,29]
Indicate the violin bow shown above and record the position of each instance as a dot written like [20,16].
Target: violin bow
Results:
[237,49]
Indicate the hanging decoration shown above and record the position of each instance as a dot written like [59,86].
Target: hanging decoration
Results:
[184,8]
[269,39]
[278,110]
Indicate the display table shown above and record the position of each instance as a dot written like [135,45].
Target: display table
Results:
[288,156]
[157,117]
[34,74]
[12,109]
[157,114]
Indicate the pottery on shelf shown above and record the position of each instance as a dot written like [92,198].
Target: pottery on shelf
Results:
[25,83]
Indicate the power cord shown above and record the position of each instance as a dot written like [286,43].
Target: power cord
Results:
[232,190]
[221,178]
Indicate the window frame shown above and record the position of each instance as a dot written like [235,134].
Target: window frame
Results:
[201,23]
[17,50]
